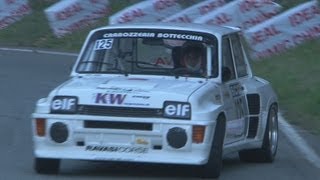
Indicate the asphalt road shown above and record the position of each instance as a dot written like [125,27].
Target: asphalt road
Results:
[26,77]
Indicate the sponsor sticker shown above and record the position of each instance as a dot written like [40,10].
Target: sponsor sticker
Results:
[119,149]
[129,34]
[106,98]
[152,35]
[103,44]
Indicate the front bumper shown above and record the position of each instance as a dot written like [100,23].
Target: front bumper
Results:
[121,143]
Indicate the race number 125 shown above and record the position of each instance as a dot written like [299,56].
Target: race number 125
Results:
[103,44]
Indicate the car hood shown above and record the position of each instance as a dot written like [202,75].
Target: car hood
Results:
[128,92]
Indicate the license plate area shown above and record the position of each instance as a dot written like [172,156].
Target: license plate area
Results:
[107,139]
[117,149]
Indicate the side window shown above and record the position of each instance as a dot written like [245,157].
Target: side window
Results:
[238,56]
[228,72]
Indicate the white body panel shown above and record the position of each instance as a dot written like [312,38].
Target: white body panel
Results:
[129,117]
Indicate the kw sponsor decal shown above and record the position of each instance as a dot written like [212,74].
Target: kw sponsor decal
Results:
[119,149]
[105,98]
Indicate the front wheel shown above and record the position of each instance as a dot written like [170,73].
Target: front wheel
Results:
[269,147]
[46,166]
[214,165]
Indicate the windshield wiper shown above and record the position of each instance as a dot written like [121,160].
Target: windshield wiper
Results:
[185,72]
[142,62]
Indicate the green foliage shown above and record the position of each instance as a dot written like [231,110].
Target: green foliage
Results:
[294,76]
[286,4]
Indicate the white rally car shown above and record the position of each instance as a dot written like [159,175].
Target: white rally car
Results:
[130,98]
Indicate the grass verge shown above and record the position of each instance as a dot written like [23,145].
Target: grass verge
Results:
[295,77]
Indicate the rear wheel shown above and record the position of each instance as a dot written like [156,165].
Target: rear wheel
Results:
[269,147]
[214,165]
[46,166]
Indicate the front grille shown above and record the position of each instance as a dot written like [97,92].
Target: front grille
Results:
[118,125]
[118,111]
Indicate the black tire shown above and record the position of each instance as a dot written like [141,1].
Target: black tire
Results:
[214,165]
[269,147]
[46,166]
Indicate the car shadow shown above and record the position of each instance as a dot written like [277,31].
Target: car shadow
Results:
[138,170]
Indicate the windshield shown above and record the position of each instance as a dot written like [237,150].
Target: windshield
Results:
[152,53]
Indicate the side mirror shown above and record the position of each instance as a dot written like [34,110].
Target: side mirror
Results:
[226,74]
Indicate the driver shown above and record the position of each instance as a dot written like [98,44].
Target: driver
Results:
[193,56]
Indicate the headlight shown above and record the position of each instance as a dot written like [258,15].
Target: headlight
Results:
[177,110]
[64,105]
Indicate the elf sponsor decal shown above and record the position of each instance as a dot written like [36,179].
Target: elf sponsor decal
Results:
[106,98]
[119,149]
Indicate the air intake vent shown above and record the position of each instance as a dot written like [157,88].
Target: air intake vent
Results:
[118,125]
[119,111]
[253,104]
[253,127]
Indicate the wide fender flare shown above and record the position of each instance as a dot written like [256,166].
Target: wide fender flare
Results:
[271,101]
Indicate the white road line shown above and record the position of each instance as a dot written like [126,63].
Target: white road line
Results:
[288,130]
[299,142]
[39,51]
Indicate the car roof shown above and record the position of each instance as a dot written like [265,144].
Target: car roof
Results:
[212,29]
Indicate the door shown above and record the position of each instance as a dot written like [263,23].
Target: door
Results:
[234,99]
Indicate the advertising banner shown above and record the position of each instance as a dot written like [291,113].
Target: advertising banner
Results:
[68,16]
[241,13]
[193,12]
[285,31]
[12,11]
[146,11]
